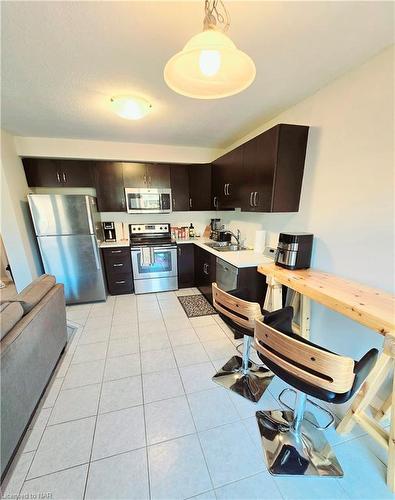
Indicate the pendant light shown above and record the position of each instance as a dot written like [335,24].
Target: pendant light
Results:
[210,65]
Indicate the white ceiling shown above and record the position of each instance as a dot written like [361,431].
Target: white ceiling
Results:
[61,61]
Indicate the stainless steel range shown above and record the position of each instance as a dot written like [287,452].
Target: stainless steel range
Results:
[154,258]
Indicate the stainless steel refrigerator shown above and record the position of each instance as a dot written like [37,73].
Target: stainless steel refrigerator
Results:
[67,227]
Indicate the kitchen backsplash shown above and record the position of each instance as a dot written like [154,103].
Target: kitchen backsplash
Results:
[247,223]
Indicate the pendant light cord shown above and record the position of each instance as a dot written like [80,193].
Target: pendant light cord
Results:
[216,15]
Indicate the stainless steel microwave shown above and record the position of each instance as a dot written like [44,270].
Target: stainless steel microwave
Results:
[148,201]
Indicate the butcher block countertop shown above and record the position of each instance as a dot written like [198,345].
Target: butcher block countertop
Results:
[370,307]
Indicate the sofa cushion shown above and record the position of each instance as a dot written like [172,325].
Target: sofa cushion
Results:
[10,314]
[33,293]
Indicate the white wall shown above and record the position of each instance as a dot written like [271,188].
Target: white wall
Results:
[16,228]
[348,190]
[107,150]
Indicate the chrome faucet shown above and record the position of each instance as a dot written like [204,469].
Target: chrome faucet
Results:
[236,237]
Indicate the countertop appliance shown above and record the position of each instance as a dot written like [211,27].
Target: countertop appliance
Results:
[67,228]
[154,258]
[148,201]
[294,250]
[215,224]
[109,232]
[220,235]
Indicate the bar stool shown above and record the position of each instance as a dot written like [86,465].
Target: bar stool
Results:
[240,374]
[292,441]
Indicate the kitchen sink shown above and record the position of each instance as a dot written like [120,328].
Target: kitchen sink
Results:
[225,247]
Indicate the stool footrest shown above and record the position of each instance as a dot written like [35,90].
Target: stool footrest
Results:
[316,425]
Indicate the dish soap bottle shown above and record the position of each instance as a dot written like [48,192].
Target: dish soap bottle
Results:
[191,231]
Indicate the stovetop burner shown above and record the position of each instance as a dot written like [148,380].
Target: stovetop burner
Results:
[150,235]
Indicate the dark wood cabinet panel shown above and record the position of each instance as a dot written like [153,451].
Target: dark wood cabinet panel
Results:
[134,175]
[228,179]
[186,265]
[158,176]
[200,187]
[273,169]
[109,185]
[205,272]
[143,175]
[179,180]
[118,267]
[43,172]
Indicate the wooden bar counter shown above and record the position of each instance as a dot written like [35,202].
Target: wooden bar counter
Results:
[372,308]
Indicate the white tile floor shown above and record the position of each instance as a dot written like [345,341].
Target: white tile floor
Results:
[132,413]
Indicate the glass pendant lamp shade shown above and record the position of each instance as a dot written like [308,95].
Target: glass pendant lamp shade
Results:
[209,67]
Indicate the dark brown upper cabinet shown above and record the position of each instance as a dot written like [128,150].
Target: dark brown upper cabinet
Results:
[273,169]
[200,187]
[110,191]
[179,180]
[43,172]
[143,175]
[228,179]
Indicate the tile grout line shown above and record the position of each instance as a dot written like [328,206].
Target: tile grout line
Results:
[194,424]
[97,414]
[46,424]
[143,399]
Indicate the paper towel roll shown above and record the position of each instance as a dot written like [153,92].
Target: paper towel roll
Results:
[260,241]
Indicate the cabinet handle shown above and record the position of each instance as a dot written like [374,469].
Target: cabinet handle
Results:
[255,198]
[251,195]
[215,202]
[179,250]
[145,179]
[149,180]
[64,176]
[116,251]
[120,282]
[117,265]
[190,202]
[225,189]
[174,203]
[58,176]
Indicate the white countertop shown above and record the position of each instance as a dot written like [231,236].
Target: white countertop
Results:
[242,258]
[111,244]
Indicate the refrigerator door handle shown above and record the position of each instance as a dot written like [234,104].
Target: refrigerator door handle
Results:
[96,252]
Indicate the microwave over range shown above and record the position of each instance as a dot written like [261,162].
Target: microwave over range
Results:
[148,201]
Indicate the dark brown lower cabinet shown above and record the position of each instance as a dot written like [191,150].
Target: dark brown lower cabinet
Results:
[205,263]
[118,266]
[186,265]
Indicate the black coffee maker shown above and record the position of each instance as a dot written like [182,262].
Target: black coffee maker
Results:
[109,231]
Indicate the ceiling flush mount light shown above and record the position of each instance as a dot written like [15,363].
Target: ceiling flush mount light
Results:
[130,107]
[210,66]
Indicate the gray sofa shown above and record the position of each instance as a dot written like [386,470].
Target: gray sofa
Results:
[33,336]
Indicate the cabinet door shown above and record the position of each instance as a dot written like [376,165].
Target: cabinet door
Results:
[158,176]
[179,187]
[260,157]
[186,265]
[228,179]
[205,263]
[110,192]
[42,172]
[200,187]
[135,175]
[76,173]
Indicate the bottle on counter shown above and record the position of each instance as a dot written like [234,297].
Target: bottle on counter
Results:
[191,231]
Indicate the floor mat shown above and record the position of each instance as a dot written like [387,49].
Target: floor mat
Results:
[196,305]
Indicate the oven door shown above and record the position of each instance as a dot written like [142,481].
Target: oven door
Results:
[164,265]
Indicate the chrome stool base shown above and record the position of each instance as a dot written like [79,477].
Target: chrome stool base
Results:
[290,451]
[250,383]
